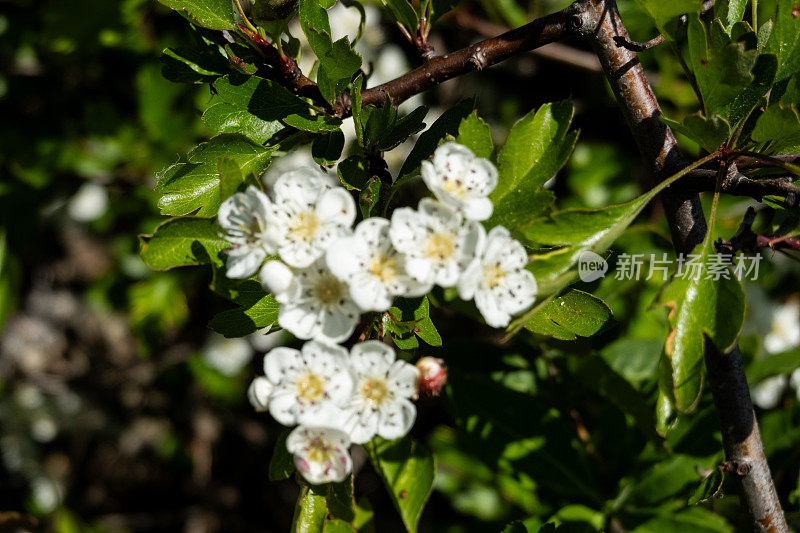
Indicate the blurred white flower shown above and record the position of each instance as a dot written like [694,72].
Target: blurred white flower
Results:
[46,494]
[498,280]
[306,382]
[374,270]
[437,242]
[308,212]
[229,356]
[784,334]
[459,179]
[380,404]
[314,303]
[768,393]
[264,340]
[43,428]
[89,203]
[243,218]
[320,453]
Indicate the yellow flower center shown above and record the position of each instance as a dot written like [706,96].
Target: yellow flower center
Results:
[304,226]
[310,388]
[493,276]
[440,246]
[374,391]
[319,451]
[383,268]
[454,187]
[328,290]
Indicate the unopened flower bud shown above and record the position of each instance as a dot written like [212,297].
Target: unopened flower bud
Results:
[432,376]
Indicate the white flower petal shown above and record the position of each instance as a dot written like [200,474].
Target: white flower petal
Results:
[259,392]
[403,377]
[244,262]
[341,259]
[478,208]
[369,294]
[280,364]
[275,277]
[299,255]
[338,323]
[364,426]
[489,307]
[283,406]
[336,206]
[397,420]
[371,357]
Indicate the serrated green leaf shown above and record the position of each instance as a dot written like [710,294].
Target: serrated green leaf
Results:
[709,132]
[213,14]
[281,465]
[310,511]
[230,177]
[409,319]
[476,135]
[785,39]
[407,469]
[256,309]
[252,106]
[577,312]
[403,129]
[730,12]
[536,148]
[404,12]
[369,196]
[699,307]
[313,123]
[665,14]
[779,125]
[192,185]
[183,242]
[327,149]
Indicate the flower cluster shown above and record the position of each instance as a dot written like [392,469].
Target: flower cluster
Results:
[335,398]
[324,274]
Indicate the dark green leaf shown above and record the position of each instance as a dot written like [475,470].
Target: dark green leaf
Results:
[338,526]
[369,196]
[193,184]
[281,466]
[515,527]
[214,14]
[313,123]
[182,242]
[730,11]
[665,14]
[403,129]
[407,469]
[353,172]
[694,519]
[190,65]
[404,12]
[409,319]
[710,488]
[230,177]
[774,365]
[327,149]
[778,125]
[341,503]
[709,133]
[476,135]
[256,309]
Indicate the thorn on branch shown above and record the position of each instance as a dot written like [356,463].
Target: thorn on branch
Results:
[635,46]
[740,468]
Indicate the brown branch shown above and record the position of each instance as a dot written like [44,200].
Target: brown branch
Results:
[737,184]
[598,22]
[635,46]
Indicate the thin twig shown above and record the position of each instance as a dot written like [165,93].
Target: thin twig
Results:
[636,46]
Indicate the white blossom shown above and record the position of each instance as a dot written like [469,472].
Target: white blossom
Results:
[89,203]
[498,281]
[320,453]
[768,393]
[229,356]
[380,404]
[784,334]
[304,383]
[437,242]
[259,392]
[314,303]
[307,213]
[459,179]
[243,219]
[375,271]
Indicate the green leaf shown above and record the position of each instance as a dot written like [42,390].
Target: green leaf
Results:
[407,469]
[577,312]
[327,149]
[731,12]
[515,527]
[369,196]
[536,148]
[404,12]
[9,278]
[785,39]
[230,177]
[403,129]
[338,526]
[183,242]
[192,185]
[694,519]
[476,135]
[341,503]
[281,466]
[192,65]
[310,511]
[699,307]
[410,319]
[353,172]
[709,132]
[428,141]
[778,125]
[214,14]
[710,488]
[665,14]
[252,106]
[338,61]
[313,123]
[256,309]
[778,364]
